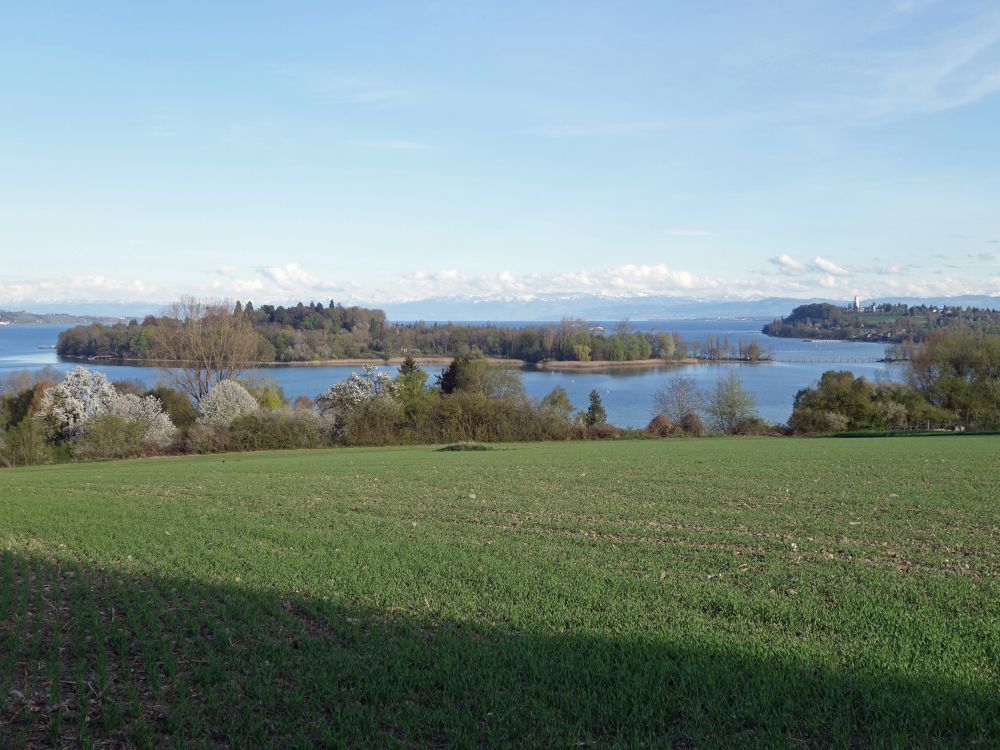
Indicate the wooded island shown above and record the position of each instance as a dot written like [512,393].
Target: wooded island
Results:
[318,333]
[889,323]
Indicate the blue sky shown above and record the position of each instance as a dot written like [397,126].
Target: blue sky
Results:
[393,151]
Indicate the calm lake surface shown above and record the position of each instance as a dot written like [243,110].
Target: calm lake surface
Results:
[627,393]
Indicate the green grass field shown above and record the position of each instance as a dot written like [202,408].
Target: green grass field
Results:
[699,593]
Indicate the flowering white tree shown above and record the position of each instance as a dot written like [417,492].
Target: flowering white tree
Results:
[82,395]
[160,431]
[225,401]
[341,398]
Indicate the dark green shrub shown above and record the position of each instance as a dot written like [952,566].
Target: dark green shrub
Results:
[756,426]
[176,404]
[276,430]
[466,447]
[18,405]
[628,433]
[24,445]
[662,426]
[602,431]
[377,421]
[840,401]
[267,391]
[203,438]
[811,421]
[692,425]
[109,436]
[462,416]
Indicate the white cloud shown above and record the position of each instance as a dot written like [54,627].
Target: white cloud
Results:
[620,281]
[272,283]
[788,264]
[431,277]
[289,275]
[240,288]
[95,287]
[829,267]
[279,283]
[291,282]
[630,276]
[631,280]
[829,282]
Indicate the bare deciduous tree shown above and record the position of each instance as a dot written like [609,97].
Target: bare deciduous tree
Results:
[204,344]
[679,398]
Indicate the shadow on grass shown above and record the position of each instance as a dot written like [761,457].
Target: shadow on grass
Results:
[92,657]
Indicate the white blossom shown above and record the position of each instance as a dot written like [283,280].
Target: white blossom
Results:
[68,406]
[160,431]
[226,400]
[81,395]
[356,389]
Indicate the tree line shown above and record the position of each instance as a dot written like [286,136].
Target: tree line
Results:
[317,332]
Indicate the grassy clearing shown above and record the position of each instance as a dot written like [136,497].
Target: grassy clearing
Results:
[650,593]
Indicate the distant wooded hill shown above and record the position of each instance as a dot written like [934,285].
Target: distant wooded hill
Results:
[884,322]
[20,317]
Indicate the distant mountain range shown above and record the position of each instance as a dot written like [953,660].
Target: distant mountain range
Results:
[633,308]
[551,307]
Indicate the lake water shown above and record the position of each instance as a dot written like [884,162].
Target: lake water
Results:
[627,394]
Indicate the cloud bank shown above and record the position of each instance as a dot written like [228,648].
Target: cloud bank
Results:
[784,275]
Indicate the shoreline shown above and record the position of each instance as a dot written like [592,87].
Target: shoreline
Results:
[568,365]
[346,362]
[574,365]
[547,365]
[356,361]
